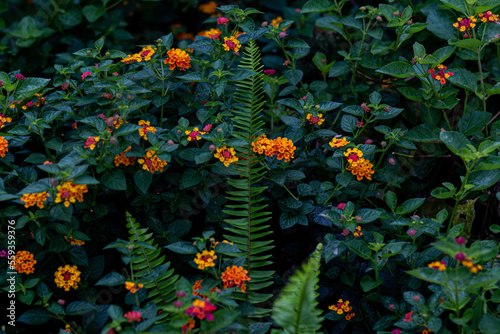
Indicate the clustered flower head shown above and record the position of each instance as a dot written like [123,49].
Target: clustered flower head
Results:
[269,71]
[3,147]
[208,8]
[146,127]
[337,142]
[442,75]
[69,193]
[19,76]
[235,276]
[315,120]
[364,107]
[86,74]
[151,162]
[231,44]
[178,58]
[212,33]
[112,123]
[133,316]
[4,120]
[121,159]
[408,317]
[91,142]
[465,25]
[201,309]
[37,199]
[474,268]
[357,232]
[195,134]
[276,22]
[23,262]
[488,17]
[222,21]
[67,277]
[282,147]
[205,259]
[438,265]
[226,155]
[144,55]
[343,307]
[74,241]
[132,287]
[359,166]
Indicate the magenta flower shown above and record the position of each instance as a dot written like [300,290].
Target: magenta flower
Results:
[115,74]
[392,162]
[359,219]
[460,240]
[61,301]
[345,232]
[412,233]
[368,141]
[86,74]
[133,316]
[207,128]
[3,253]
[341,206]
[460,256]
[269,71]
[396,331]
[1,83]
[19,76]
[222,21]
[282,34]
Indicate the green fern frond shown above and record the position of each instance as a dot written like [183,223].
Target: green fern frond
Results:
[295,309]
[148,261]
[247,220]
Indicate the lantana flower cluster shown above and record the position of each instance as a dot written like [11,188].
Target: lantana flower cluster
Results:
[315,120]
[178,58]
[235,276]
[4,120]
[194,134]
[146,127]
[283,148]
[205,259]
[211,33]
[23,262]
[67,277]
[343,307]
[359,166]
[144,55]
[91,142]
[37,199]
[201,309]
[151,162]
[74,241]
[132,287]
[121,159]
[231,44]
[226,155]
[69,193]
[338,142]
[442,74]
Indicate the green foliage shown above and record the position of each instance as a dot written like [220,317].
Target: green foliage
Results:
[295,309]
[249,231]
[149,265]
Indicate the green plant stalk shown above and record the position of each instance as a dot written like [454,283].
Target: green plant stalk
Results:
[481,76]
[498,56]
[458,199]
[466,99]
[284,186]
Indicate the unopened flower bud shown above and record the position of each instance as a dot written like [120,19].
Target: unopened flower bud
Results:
[118,95]
[362,8]
[317,106]
[412,233]
[180,294]
[129,97]
[211,148]
[460,240]
[179,131]
[170,142]
[416,298]
[107,54]
[89,52]
[109,122]
[178,304]
[383,144]
[297,10]
[219,130]
[264,24]
[53,182]
[460,257]
[113,140]
[359,219]
[282,34]
[131,247]
[379,18]
[61,301]
[392,162]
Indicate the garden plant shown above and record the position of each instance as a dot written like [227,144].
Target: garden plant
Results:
[320,166]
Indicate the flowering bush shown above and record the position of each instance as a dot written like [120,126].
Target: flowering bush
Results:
[328,168]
